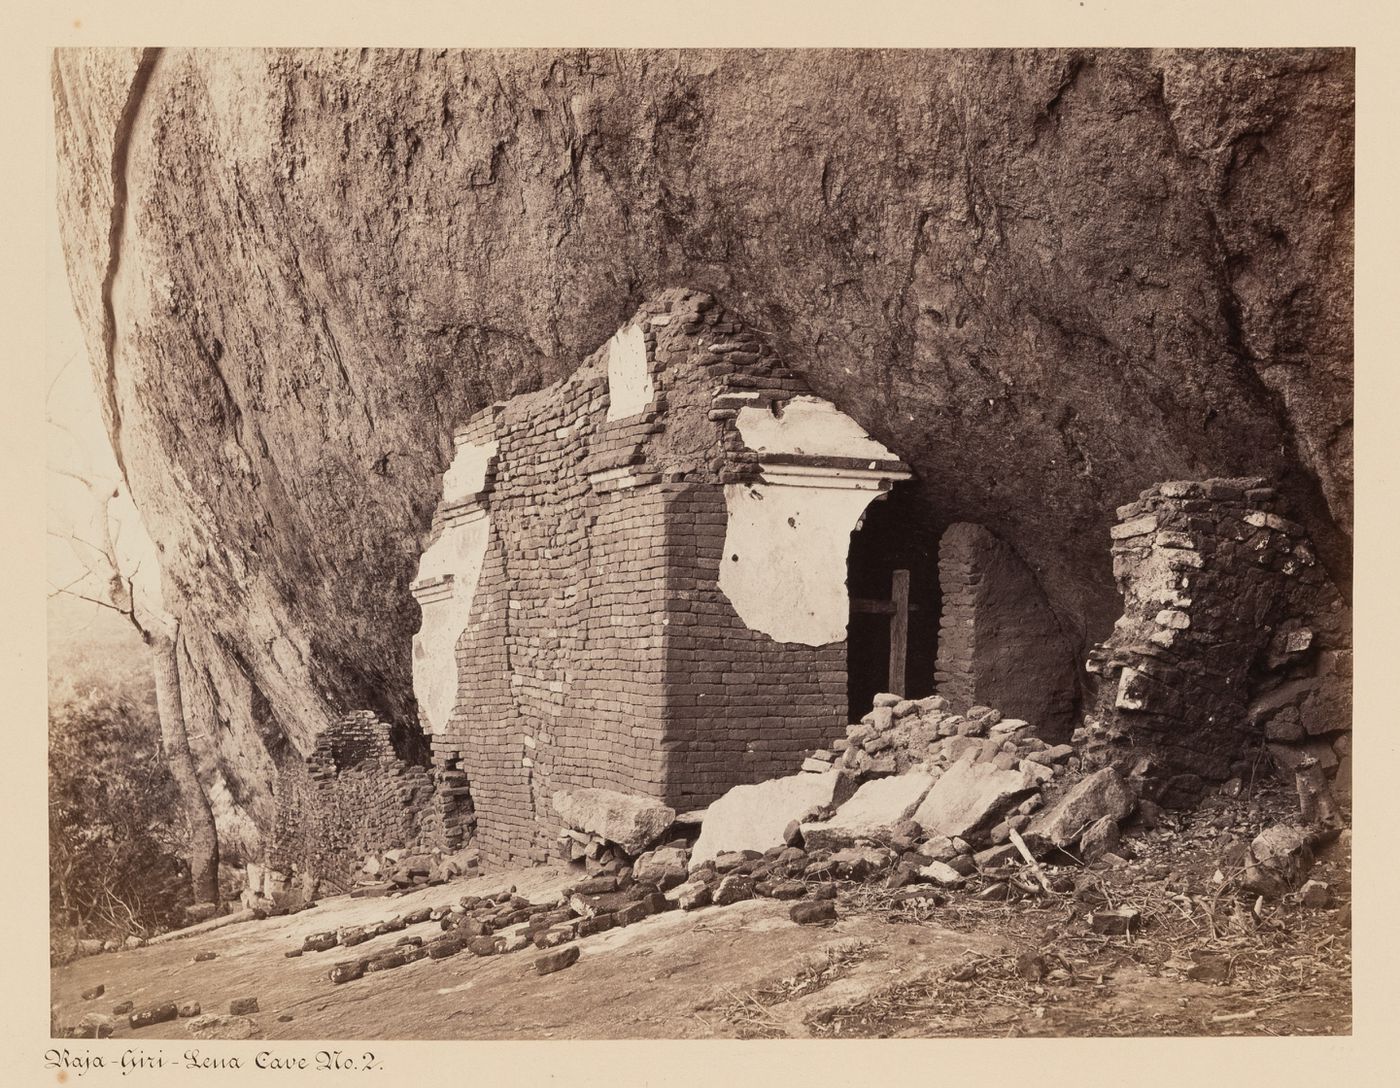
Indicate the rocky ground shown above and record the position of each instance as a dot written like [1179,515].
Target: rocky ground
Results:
[995,955]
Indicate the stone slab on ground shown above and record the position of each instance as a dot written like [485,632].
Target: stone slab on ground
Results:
[754,817]
[1105,793]
[877,806]
[631,821]
[970,797]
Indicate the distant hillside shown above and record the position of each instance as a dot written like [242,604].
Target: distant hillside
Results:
[94,648]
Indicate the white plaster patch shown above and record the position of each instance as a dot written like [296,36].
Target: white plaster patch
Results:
[467,473]
[811,426]
[785,545]
[630,388]
[457,554]
[784,563]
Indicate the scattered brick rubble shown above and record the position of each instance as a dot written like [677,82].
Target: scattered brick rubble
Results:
[907,864]
[993,786]
[1230,638]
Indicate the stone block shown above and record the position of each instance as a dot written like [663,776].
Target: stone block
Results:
[969,798]
[940,873]
[1278,862]
[632,821]
[873,810]
[813,912]
[733,889]
[665,867]
[1103,793]
[755,817]
[557,960]
[691,895]
[153,1014]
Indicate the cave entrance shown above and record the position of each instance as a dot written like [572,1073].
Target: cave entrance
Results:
[892,579]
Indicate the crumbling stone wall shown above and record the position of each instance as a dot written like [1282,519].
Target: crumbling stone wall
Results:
[999,644]
[660,606]
[353,794]
[1231,635]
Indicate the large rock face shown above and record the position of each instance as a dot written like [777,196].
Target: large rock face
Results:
[1045,279]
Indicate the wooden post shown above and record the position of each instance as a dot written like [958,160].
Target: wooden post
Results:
[899,630]
[897,609]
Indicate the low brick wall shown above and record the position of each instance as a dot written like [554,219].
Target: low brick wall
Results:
[353,795]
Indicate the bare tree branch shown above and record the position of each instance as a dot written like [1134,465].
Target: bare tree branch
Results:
[72,539]
[61,370]
[78,476]
[105,604]
[70,585]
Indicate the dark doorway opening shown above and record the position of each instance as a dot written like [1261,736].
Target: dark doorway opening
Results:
[897,534]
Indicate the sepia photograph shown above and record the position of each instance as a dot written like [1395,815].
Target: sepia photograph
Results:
[708,543]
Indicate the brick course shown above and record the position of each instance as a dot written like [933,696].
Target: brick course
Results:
[998,642]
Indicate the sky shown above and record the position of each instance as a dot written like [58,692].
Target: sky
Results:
[77,444]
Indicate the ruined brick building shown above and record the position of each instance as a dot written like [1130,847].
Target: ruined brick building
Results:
[668,574]
[643,578]
[637,577]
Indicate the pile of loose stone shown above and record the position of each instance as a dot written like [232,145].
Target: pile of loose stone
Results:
[592,850]
[404,870]
[901,733]
[926,800]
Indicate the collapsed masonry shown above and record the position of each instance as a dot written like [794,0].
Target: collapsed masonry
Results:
[637,577]
[1231,634]
[636,582]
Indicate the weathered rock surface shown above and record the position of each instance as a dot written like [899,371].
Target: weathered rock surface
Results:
[297,271]
[222,1026]
[1278,862]
[970,797]
[755,817]
[633,822]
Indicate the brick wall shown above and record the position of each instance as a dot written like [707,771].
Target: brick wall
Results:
[600,650]
[999,644]
[353,795]
[742,708]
